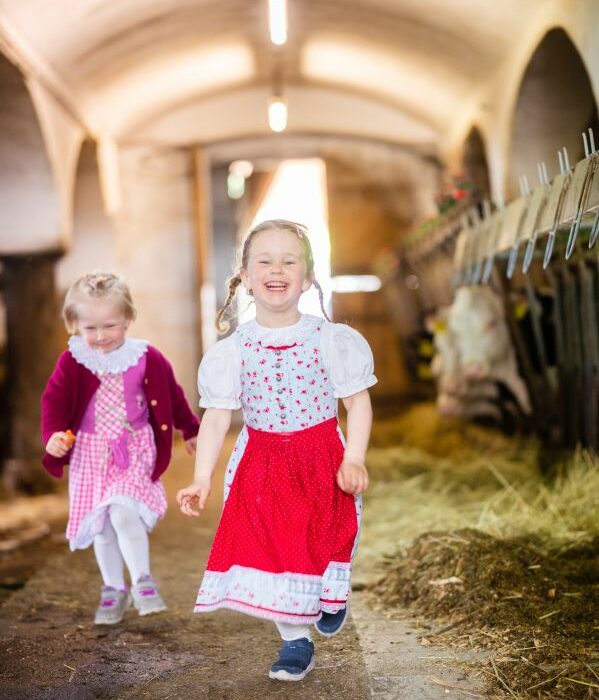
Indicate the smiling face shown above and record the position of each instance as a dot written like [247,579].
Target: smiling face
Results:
[276,273]
[102,324]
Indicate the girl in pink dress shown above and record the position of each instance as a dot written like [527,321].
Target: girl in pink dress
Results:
[120,398]
[289,528]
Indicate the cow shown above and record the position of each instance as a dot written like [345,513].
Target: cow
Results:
[477,324]
[456,394]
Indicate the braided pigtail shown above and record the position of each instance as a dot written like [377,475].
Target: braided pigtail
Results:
[223,325]
[321,298]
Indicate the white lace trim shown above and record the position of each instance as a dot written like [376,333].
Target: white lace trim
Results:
[93,523]
[119,360]
[285,597]
[253,332]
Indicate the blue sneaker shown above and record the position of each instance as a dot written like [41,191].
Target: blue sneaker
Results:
[331,624]
[296,660]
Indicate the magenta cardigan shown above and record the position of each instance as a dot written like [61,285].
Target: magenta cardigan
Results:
[72,386]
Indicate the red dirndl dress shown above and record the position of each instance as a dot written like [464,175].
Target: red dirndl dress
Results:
[284,545]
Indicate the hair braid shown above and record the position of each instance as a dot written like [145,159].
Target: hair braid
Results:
[233,283]
[320,297]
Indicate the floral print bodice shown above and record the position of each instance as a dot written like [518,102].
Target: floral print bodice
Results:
[285,388]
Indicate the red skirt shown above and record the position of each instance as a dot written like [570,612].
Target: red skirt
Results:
[284,544]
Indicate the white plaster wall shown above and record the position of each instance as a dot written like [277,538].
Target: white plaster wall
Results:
[93,243]
[154,244]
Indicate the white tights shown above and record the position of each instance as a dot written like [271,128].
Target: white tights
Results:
[124,540]
[290,633]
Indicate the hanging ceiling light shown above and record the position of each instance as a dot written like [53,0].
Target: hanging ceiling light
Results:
[277,19]
[277,114]
[242,167]
[277,105]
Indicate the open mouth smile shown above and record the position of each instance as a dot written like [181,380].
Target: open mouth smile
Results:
[276,286]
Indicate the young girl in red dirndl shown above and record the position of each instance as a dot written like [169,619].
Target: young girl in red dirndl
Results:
[288,532]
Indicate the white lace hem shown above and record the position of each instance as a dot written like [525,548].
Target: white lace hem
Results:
[115,362]
[285,597]
[93,523]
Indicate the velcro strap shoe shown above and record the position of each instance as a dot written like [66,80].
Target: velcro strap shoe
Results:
[331,624]
[113,604]
[296,660]
[146,596]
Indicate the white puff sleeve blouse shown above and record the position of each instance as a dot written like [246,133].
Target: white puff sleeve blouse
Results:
[219,375]
[348,360]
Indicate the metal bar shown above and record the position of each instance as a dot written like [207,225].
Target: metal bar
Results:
[561,162]
[572,236]
[566,159]
[527,372]
[590,350]
[535,318]
[560,352]
[573,346]
[529,253]
[512,260]
[594,231]
[549,249]
[545,173]
[575,227]
[488,269]
[585,144]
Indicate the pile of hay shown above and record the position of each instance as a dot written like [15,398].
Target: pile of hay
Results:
[421,426]
[537,611]
[463,528]
[502,496]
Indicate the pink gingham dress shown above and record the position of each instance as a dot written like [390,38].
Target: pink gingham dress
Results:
[114,463]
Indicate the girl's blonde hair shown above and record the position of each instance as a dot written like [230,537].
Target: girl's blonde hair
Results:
[223,324]
[96,285]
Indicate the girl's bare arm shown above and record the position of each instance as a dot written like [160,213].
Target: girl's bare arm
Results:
[211,436]
[352,476]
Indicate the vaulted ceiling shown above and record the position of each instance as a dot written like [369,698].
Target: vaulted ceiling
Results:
[201,70]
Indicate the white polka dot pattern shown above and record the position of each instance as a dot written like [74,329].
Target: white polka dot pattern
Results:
[287,534]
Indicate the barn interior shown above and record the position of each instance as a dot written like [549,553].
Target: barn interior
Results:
[445,158]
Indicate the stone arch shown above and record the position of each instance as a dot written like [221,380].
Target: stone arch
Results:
[555,104]
[475,166]
[29,221]
[29,203]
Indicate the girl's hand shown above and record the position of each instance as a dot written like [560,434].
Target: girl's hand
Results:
[190,445]
[60,443]
[196,494]
[352,477]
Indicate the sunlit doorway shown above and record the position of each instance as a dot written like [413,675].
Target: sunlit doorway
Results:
[298,193]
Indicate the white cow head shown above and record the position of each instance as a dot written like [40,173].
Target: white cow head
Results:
[477,321]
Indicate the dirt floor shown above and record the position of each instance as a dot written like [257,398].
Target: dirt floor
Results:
[49,647]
